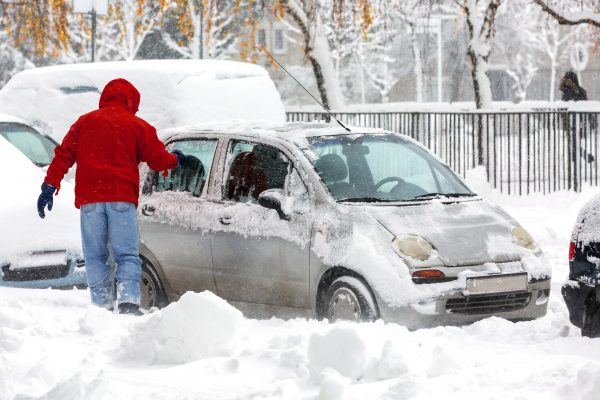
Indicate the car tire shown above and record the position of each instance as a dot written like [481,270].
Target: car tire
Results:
[349,298]
[590,326]
[152,292]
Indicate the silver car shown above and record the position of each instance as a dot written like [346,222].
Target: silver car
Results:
[312,220]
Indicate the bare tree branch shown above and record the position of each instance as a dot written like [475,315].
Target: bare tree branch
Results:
[567,20]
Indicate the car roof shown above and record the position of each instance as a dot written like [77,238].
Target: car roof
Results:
[11,118]
[290,131]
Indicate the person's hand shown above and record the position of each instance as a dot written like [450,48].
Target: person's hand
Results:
[46,199]
[180,157]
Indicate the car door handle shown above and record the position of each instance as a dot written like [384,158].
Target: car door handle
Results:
[225,220]
[148,210]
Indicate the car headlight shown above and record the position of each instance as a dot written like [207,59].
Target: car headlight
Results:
[524,239]
[414,246]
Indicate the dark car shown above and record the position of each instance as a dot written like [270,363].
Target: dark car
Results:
[582,291]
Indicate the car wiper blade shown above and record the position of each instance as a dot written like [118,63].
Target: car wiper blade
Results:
[428,195]
[366,199]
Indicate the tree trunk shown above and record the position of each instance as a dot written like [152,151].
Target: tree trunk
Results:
[318,53]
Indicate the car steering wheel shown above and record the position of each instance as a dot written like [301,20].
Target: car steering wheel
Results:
[388,180]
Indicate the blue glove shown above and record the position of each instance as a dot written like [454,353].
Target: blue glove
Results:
[180,157]
[46,199]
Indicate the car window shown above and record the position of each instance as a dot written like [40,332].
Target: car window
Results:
[253,168]
[37,147]
[192,175]
[375,167]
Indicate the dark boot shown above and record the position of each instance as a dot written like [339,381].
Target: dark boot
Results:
[130,308]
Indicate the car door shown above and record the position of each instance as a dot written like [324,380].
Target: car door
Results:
[258,256]
[172,223]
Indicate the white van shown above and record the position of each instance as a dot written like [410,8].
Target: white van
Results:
[173,92]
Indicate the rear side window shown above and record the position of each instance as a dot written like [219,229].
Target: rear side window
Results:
[192,175]
[37,147]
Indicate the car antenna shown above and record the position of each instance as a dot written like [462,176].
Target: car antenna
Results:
[306,90]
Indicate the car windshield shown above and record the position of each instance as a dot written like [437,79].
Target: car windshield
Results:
[381,168]
[37,147]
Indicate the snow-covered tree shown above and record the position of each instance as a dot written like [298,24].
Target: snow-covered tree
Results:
[12,60]
[480,20]
[128,24]
[206,28]
[522,72]
[580,12]
[307,16]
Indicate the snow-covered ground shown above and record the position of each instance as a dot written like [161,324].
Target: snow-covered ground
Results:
[54,345]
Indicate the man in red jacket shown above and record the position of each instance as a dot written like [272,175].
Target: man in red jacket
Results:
[107,145]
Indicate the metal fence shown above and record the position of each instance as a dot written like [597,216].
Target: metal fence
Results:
[522,151]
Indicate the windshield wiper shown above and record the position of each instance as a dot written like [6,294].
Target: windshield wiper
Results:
[39,164]
[432,195]
[366,199]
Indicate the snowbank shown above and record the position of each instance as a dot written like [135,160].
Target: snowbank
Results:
[197,326]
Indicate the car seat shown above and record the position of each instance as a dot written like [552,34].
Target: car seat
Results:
[269,159]
[333,171]
[189,177]
[246,180]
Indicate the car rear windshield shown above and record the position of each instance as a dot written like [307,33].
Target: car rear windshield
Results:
[36,146]
[381,168]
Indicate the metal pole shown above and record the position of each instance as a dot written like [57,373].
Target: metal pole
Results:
[201,31]
[93,35]
[439,63]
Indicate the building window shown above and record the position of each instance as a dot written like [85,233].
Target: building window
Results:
[279,43]
[261,38]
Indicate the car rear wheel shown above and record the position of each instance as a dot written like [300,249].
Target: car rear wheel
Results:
[151,289]
[348,298]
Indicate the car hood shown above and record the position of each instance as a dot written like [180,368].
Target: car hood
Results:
[463,233]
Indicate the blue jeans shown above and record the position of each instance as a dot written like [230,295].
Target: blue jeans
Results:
[112,227]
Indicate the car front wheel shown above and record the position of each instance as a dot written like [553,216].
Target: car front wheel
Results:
[348,298]
[151,290]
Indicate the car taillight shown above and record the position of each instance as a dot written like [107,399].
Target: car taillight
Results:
[571,251]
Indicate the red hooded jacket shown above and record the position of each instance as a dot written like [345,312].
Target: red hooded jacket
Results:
[107,145]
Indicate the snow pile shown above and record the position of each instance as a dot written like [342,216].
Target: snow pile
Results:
[341,349]
[197,326]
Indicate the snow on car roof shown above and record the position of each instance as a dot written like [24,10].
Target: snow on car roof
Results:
[75,74]
[173,92]
[289,130]
[11,118]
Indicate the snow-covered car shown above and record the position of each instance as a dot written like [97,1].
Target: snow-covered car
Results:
[36,253]
[309,219]
[173,92]
[582,290]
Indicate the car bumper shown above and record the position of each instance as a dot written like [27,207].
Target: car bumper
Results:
[457,309]
[575,294]
[75,277]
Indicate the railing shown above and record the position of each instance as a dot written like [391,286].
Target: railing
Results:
[522,151]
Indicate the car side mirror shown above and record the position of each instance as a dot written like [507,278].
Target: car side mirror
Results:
[273,199]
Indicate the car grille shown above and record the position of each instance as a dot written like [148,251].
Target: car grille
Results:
[34,274]
[488,304]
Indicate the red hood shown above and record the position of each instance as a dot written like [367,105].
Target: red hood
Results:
[122,92]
